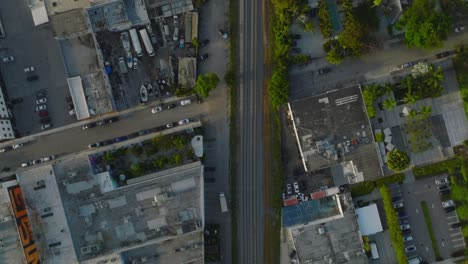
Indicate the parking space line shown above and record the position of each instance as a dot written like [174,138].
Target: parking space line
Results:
[458,239]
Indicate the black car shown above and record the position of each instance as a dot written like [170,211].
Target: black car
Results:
[32,78]
[111,120]
[444,192]
[44,120]
[296,50]
[170,106]
[40,94]
[449,209]
[203,43]
[406,232]
[17,100]
[203,57]
[295,36]
[456,225]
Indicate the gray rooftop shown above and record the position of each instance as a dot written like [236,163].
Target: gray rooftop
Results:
[333,128]
[335,241]
[105,220]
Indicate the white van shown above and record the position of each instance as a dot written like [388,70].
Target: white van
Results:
[374,251]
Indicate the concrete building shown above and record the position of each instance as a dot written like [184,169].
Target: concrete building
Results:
[330,239]
[332,130]
[81,216]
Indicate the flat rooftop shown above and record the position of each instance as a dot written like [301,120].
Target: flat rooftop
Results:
[104,219]
[311,211]
[46,214]
[11,251]
[333,129]
[335,241]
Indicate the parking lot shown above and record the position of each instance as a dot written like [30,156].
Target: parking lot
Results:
[32,47]
[449,239]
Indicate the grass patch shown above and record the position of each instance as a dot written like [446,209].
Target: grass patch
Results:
[427,218]
[446,166]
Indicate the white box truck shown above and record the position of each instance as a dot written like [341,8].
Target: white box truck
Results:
[136,42]
[222,200]
[147,42]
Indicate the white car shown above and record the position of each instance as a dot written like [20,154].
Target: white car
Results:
[8,59]
[184,121]
[49,158]
[441,181]
[16,146]
[185,102]
[156,109]
[41,101]
[41,107]
[29,69]
[448,203]
[296,187]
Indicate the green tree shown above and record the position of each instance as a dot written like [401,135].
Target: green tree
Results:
[324,18]
[206,83]
[389,104]
[398,160]
[137,169]
[424,26]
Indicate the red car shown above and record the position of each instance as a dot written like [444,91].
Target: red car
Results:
[43,113]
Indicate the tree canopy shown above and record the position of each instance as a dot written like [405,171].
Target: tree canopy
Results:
[424,27]
[206,83]
[398,160]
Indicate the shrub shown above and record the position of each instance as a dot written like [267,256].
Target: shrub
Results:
[393,226]
[399,177]
[362,188]
[398,160]
[379,137]
[445,166]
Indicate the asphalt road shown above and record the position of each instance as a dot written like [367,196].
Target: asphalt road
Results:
[250,167]
[75,139]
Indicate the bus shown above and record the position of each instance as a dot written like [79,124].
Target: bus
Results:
[136,42]
[147,42]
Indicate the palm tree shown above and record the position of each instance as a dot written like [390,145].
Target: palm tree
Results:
[389,104]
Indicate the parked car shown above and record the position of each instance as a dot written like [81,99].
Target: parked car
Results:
[410,249]
[170,106]
[41,107]
[48,158]
[448,203]
[32,78]
[94,145]
[184,121]
[398,205]
[296,187]
[404,227]
[46,126]
[456,225]
[8,59]
[17,100]
[17,146]
[156,109]
[203,56]
[289,188]
[88,126]
[203,43]
[29,69]
[185,102]
[44,120]
[41,101]
[407,238]
[441,181]
[43,113]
